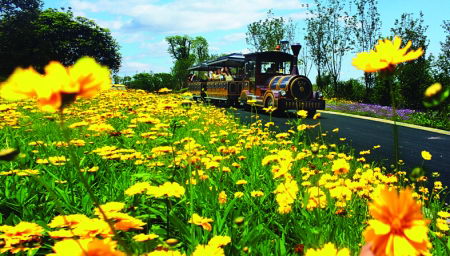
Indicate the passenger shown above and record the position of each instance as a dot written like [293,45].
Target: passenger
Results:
[210,75]
[217,76]
[227,75]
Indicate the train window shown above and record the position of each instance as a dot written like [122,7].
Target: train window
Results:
[285,68]
[269,67]
[250,69]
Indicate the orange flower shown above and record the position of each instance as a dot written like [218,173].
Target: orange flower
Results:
[386,55]
[59,86]
[222,197]
[398,227]
[201,221]
[86,247]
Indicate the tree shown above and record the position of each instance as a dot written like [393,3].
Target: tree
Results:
[315,41]
[336,36]
[304,60]
[53,35]
[365,27]
[200,49]
[180,71]
[413,77]
[10,8]
[443,61]
[265,35]
[179,46]
[148,81]
[186,51]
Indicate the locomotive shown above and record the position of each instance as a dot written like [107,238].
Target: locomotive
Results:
[261,79]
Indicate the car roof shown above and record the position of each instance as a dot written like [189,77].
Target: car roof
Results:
[230,60]
[270,55]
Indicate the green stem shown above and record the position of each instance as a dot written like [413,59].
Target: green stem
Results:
[85,184]
[394,119]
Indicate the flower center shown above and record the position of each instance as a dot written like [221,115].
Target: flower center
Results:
[396,225]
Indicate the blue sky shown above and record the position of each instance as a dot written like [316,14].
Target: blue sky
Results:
[140,26]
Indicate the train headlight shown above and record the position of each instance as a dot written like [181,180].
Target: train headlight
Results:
[283,93]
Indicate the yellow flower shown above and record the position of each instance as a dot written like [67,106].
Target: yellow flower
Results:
[208,250]
[302,127]
[398,226]
[219,241]
[241,182]
[138,188]
[328,250]
[426,155]
[200,221]
[386,55]
[67,220]
[164,90]
[238,194]
[340,166]
[442,224]
[19,237]
[144,237]
[270,109]
[433,90]
[165,253]
[172,189]
[443,214]
[86,247]
[222,197]
[257,193]
[302,113]
[59,86]
[437,185]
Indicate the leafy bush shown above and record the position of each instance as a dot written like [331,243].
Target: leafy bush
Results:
[351,89]
[149,82]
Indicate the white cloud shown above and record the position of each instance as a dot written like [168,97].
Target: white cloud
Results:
[130,67]
[180,16]
[233,37]
[156,49]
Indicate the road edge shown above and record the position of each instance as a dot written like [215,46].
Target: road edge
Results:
[414,126]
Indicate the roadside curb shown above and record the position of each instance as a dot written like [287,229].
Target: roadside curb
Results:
[388,122]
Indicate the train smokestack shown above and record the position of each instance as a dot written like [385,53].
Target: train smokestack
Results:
[295,51]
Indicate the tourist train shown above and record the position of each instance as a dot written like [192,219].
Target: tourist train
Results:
[260,79]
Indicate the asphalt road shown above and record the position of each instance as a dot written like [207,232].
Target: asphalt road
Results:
[363,134]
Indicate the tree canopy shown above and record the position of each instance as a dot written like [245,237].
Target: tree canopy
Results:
[186,51]
[265,35]
[443,60]
[13,7]
[413,77]
[34,39]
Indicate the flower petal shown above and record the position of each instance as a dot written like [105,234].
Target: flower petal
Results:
[379,227]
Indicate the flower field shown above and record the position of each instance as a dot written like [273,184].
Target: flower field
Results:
[174,177]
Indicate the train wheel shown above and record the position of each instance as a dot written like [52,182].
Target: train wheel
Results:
[271,103]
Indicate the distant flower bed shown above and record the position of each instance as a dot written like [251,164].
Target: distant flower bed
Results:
[376,110]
